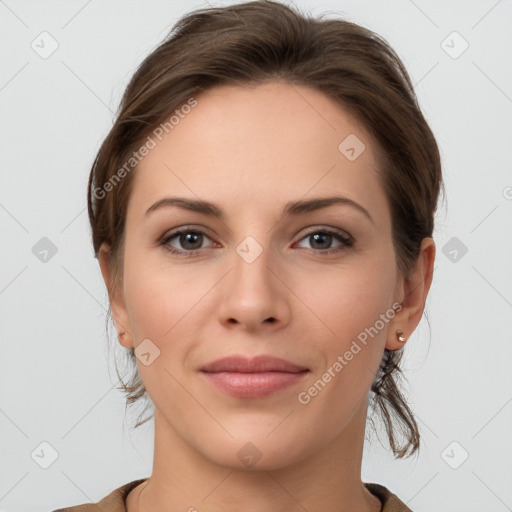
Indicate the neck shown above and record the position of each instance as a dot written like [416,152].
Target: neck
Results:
[328,479]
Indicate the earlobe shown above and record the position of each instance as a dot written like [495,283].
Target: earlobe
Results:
[414,291]
[400,336]
[122,337]
[396,339]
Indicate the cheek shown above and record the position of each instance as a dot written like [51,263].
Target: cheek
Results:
[347,301]
[159,297]
[352,310]
[164,307]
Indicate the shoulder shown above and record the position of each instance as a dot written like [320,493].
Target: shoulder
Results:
[113,502]
[390,502]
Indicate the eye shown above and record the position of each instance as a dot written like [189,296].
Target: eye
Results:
[190,240]
[322,239]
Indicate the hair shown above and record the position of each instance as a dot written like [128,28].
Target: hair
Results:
[250,43]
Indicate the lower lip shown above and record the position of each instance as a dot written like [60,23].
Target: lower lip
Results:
[253,385]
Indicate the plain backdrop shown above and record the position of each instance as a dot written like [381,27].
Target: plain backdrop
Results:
[64,437]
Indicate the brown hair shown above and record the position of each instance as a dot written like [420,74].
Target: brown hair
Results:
[253,42]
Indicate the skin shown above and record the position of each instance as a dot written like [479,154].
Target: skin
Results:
[250,150]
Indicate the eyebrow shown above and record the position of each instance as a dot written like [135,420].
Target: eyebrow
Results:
[291,208]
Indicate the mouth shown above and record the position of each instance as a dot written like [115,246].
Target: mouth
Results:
[256,377]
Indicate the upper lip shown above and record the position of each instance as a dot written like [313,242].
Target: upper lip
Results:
[258,364]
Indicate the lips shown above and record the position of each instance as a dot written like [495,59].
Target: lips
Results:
[255,377]
[258,364]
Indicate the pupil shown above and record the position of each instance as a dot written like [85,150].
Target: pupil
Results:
[189,239]
[321,236]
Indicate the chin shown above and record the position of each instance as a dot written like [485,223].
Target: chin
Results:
[255,451]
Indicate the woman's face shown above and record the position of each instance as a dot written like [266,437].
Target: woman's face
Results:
[255,280]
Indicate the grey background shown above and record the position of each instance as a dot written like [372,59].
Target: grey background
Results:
[57,380]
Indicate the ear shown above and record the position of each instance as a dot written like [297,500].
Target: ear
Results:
[116,298]
[414,291]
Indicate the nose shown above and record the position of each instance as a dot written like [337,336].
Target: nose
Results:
[254,294]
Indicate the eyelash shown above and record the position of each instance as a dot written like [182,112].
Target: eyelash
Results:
[346,242]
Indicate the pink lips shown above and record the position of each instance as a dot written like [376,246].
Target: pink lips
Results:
[252,377]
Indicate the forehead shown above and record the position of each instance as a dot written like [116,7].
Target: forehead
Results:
[271,142]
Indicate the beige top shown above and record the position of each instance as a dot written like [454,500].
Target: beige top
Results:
[115,501]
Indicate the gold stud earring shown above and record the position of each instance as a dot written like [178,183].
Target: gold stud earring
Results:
[400,337]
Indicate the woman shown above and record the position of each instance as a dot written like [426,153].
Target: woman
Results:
[262,212]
